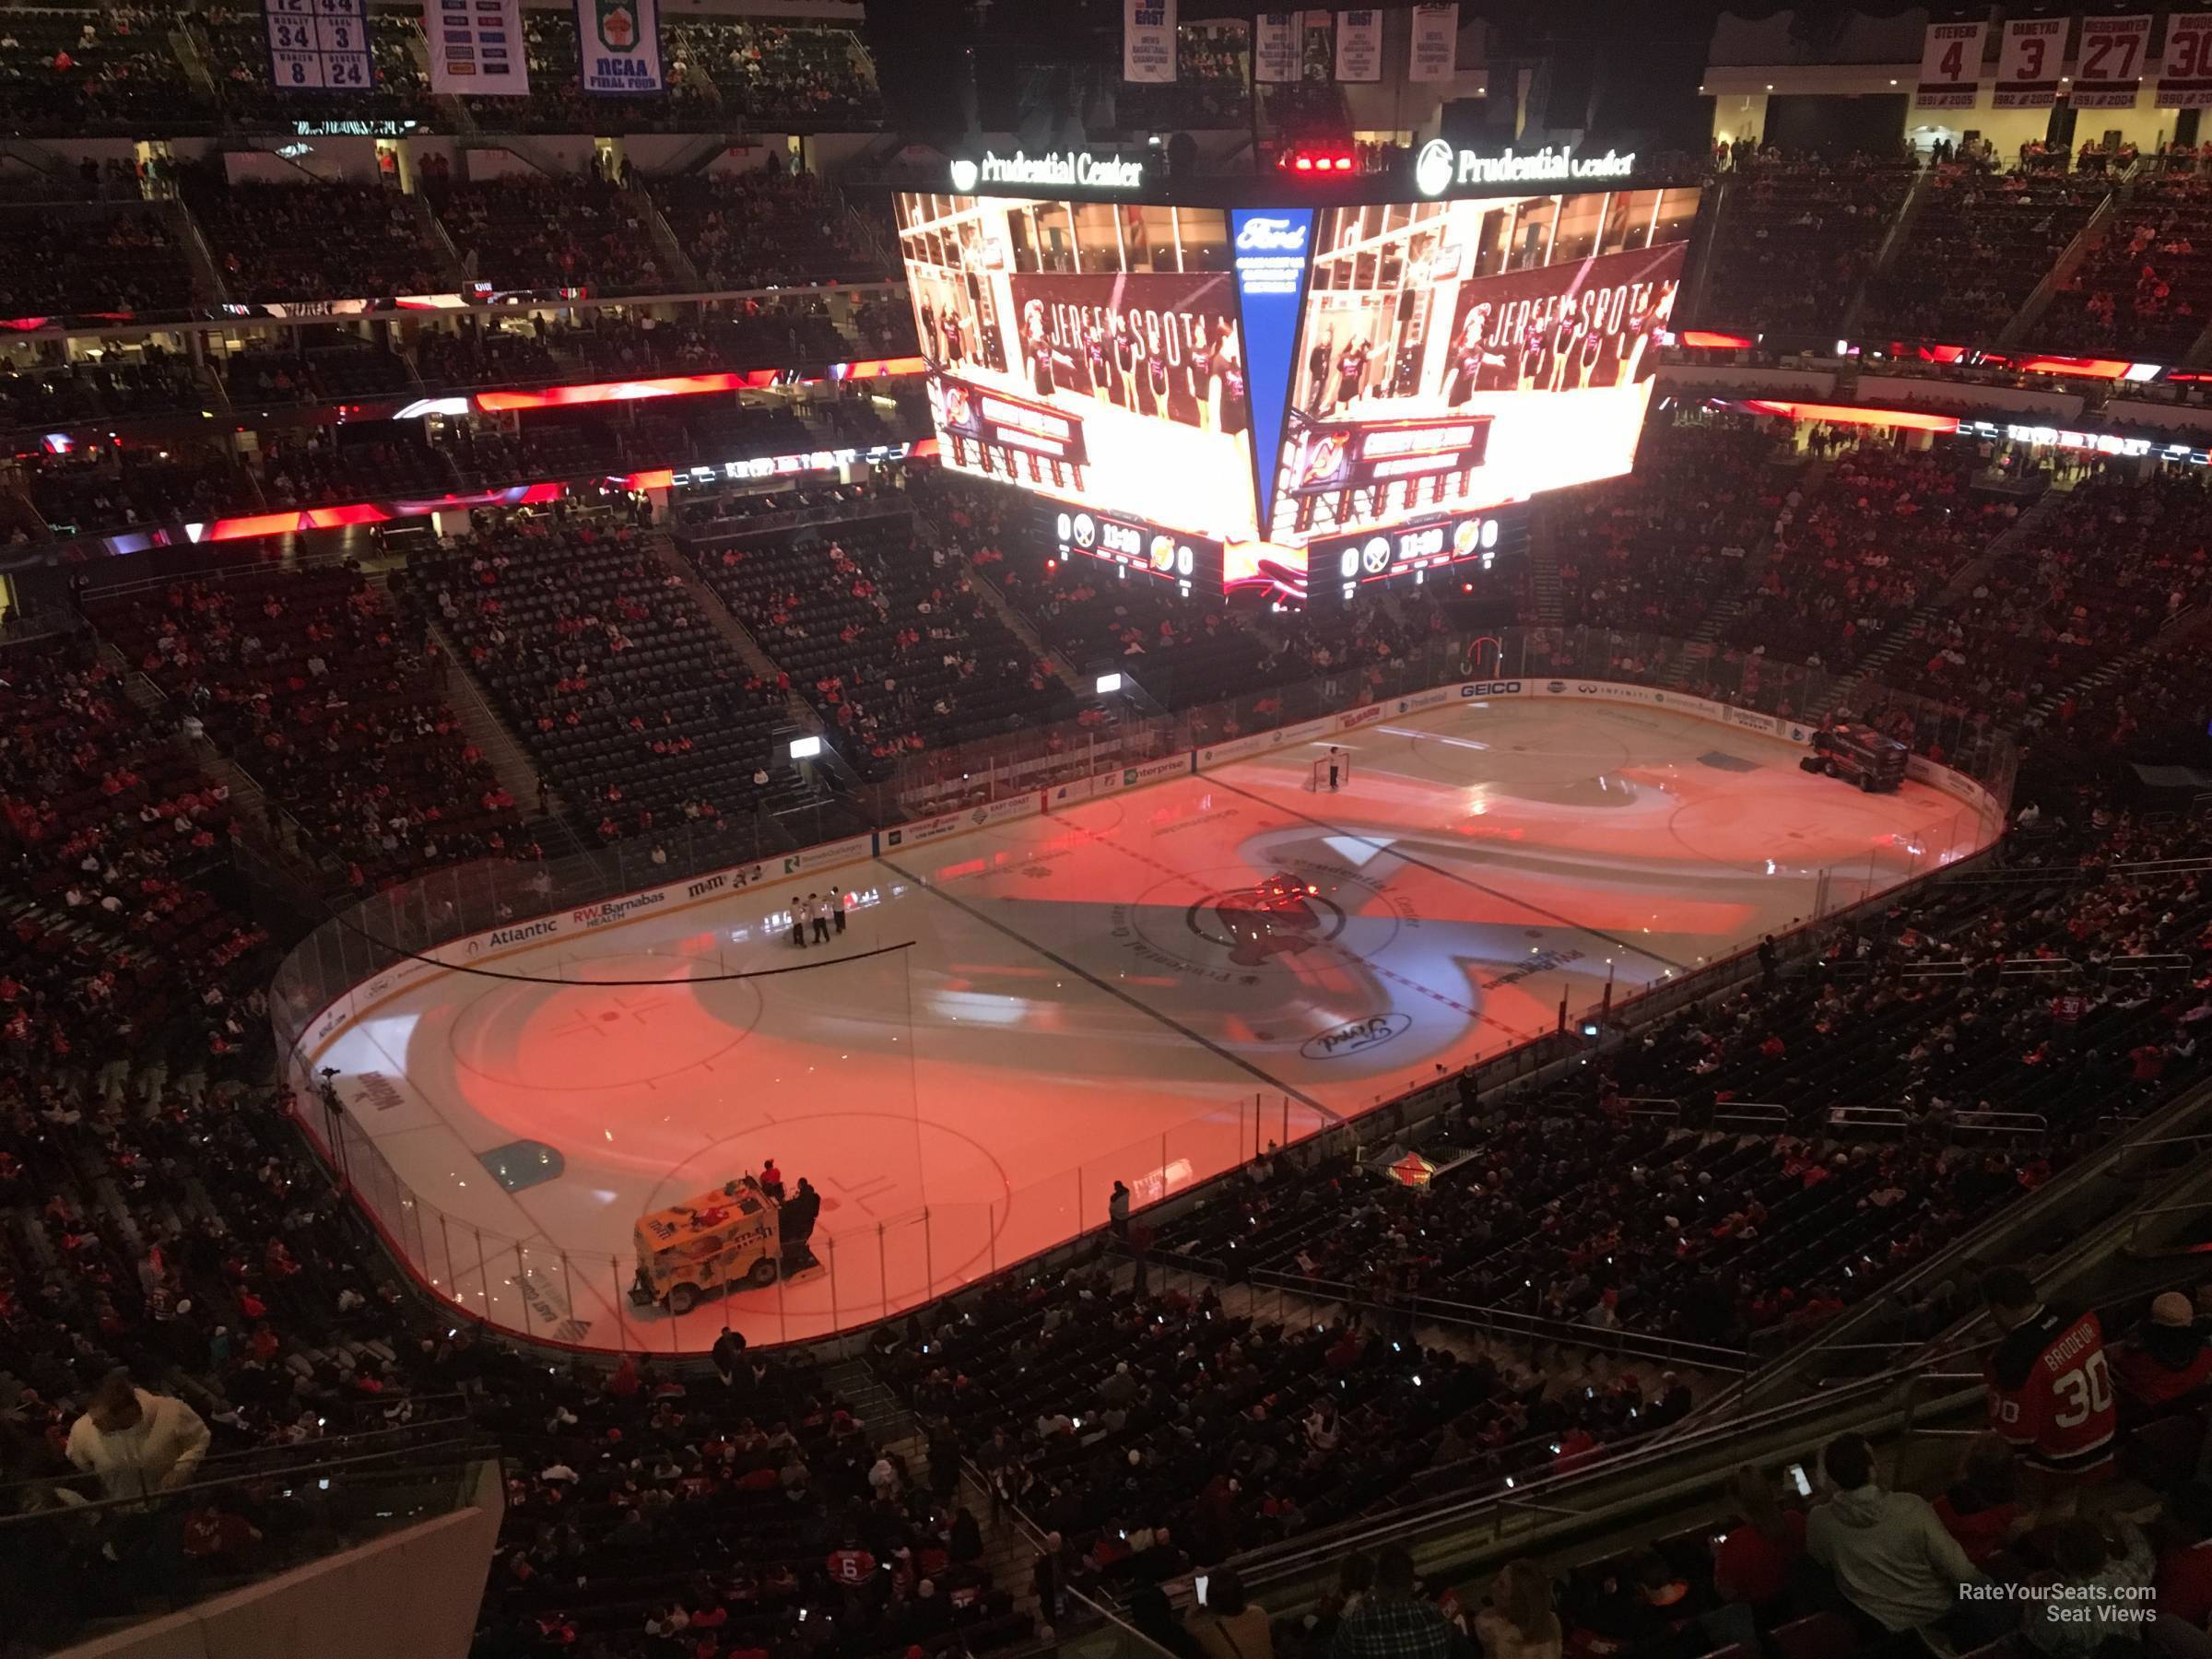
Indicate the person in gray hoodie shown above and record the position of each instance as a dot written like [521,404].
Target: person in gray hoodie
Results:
[1892,1559]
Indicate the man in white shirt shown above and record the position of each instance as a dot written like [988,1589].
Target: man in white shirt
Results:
[138,1443]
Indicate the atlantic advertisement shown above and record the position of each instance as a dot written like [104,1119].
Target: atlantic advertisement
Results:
[1262,379]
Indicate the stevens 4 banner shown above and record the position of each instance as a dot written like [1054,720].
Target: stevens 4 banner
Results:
[619,46]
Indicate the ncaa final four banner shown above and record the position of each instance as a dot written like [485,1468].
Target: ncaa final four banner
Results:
[1430,380]
[619,46]
[476,47]
[1435,52]
[1148,39]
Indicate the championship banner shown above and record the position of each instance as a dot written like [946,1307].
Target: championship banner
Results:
[619,46]
[476,47]
[1950,67]
[1275,47]
[2186,74]
[2107,65]
[318,45]
[1359,45]
[1148,39]
[2028,64]
[1435,42]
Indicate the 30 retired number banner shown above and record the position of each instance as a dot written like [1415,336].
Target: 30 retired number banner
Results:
[2107,65]
[1950,67]
[619,46]
[2185,72]
[2029,65]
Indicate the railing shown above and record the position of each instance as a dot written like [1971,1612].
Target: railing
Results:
[538,1290]
[73,1556]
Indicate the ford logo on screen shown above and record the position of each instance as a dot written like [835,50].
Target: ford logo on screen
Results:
[1262,234]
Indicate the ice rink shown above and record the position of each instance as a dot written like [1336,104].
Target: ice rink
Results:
[1019,1015]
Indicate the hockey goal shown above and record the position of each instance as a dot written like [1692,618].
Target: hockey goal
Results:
[1319,781]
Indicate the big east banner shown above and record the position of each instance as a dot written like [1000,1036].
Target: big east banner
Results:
[1155,342]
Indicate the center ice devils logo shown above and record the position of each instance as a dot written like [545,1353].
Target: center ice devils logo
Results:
[1280,917]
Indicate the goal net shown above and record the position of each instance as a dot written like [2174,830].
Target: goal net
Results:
[1341,762]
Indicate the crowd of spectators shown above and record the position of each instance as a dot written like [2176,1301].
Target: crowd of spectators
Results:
[317,242]
[1655,551]
[883,633]
[1795,237]
[332,704]
[61,262]
[784,74]
[48,397]
[764,228]
[541,232]
[2141,287]
[101,488]
[2120,557]
[1878,537]
[274,376]
[606,668]
[1977,248]
[110,71]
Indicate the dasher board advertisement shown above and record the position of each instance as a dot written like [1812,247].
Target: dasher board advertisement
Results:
[1458,355]
[1090,351]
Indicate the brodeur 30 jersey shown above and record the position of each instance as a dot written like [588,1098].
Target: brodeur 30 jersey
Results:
[2050,1393]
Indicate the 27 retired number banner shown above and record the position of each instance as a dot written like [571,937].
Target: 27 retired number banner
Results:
[2185,72]
[2027,66]
[2108,64]
[1950,67]
[619,46]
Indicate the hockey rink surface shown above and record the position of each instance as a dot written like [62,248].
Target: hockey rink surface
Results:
[1017,1015]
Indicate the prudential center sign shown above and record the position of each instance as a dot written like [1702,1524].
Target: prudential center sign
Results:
[1438,167]
[1077,169]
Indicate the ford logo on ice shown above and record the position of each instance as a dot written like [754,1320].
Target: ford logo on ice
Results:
[1271,236]
[1355,1035]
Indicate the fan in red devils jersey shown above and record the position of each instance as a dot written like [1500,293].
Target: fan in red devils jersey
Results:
[2049,1385]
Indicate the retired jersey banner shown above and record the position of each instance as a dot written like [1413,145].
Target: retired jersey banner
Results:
[1275,47]
[318,45]
[1147,40]
[1359,45]
[2029,63]
[1950,67]
[2107,65]
[1435,42]
[2185,72]
[476,47]
[619,46]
